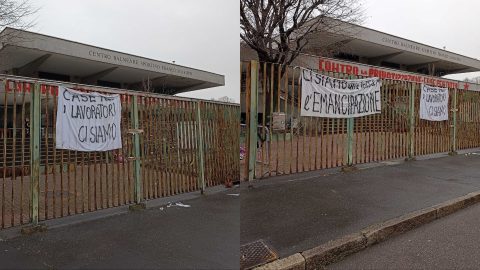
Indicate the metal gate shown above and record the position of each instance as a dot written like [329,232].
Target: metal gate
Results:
[276,140]
[171,145]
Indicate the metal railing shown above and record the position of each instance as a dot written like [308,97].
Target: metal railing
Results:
[300,143]
[171,145]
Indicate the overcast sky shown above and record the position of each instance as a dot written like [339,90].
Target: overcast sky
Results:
[198,34]
[438,23]
[204,34]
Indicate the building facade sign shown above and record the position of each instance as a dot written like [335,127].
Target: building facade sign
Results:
[125,59]
[338,66]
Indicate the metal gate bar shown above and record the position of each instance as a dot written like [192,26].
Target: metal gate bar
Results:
[270,95]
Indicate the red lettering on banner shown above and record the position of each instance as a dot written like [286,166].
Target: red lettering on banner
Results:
[335,67]
[368,71]
[349,69]
[329,66]
[355,71]
[19,86]
[320,65]
[54,91]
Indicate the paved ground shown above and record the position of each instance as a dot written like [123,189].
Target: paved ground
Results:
[203,236]
[297,212]
[448,243]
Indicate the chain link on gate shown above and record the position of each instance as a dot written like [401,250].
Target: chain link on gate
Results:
[270,99]
[160,156]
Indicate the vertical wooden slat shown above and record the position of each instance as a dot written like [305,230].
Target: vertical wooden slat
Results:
[164,142]
[252,147]
[411,122]
[168,148]
[14,159]
[155,158]
[45,129]
[23,156]
[396,118]
[201,161]
[182,147]
[136,141]
[285,111]
[5,117]
[272,154]
[350,127]
[144,124]
[388,118]
[35,153]
[454,107]
[292,115]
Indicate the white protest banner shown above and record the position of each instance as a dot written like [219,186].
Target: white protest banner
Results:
[434,103]
[88,121]
[324,96]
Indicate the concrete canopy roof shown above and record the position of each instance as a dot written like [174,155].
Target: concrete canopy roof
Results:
[27,54]
[377,48]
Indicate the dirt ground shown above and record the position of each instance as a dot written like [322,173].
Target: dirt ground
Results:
[306,153]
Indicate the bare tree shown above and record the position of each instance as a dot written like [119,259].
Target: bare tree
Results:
[226,99]
[16,14]
[278,30]
[472,80]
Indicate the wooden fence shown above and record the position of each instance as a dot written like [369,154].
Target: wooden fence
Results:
[171,145]
[276,140]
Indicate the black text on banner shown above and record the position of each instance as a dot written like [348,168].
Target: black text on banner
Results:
[434,103]
[88,121]
[324,96]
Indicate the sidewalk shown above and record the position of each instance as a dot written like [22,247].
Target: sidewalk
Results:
[202,236]
[297,212]
[447,243]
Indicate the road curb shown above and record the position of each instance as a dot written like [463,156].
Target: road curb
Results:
[335,250]
[379,232]
[332,251]
[292,262]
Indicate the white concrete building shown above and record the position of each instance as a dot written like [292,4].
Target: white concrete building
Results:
[34,55]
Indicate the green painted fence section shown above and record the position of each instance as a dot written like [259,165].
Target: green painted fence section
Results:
[277,140]
[170,145]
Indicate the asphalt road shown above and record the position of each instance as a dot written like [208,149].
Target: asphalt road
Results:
[452,242]
[202,236]
[297,212]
